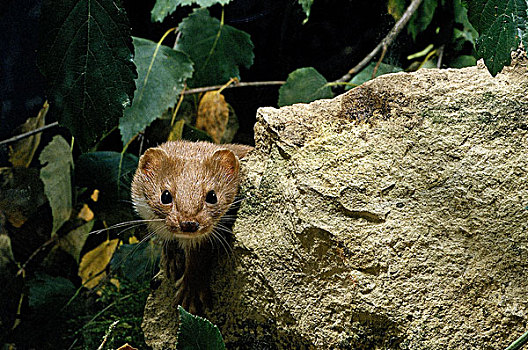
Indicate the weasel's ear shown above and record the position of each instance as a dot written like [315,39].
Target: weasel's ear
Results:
[226,160]
[151,160]
[239,150]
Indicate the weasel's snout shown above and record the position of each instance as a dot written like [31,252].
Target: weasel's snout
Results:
[189,226]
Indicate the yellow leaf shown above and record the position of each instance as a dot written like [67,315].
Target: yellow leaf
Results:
[177,131]
[96,261]
[95,195]
[213,114]
[86,213]
[396,8]
[133,240]
[22,152]
[115,282]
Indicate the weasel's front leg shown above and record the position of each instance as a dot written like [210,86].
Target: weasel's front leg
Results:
[193,292]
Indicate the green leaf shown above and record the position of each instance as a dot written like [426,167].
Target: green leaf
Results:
[304,85]
[366,73]
[422,18]
[163,8]
[161,77]
[74,241]
[136,262]
[47,293]
[86,55]
[501,25]
[197,333]
[306,6]
[217,50]
[461,16]
[190,133]
[463,61]
[57,164]
[101,170]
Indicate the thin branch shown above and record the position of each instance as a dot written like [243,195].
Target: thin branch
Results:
[28,134]
[243,84]
[34,254]
[386,42]
[383,52]
[440,55]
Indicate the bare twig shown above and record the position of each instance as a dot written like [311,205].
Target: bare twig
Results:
[34,254]
[375,70]
[440,55]
[28,134]
[385,42]
[243,84]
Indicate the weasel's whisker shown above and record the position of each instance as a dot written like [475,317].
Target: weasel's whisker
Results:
[221,239]
[124,224]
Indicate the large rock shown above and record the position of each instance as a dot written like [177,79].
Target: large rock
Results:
[393,216]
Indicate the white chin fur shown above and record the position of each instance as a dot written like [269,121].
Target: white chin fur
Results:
[160,229]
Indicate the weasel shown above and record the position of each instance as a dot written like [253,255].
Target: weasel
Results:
[183,189]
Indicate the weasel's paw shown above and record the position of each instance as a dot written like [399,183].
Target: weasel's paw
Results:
[192,298]
[155,282]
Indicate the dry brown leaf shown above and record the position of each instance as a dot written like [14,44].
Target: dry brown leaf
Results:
[96,261]
[86,213]
[21,194]
[213,114]
[127,347]
[22,152]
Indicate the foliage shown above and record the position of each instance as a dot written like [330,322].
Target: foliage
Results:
[46,292]
[162,8]
[304,85]
[161,73]
[366,74]
[107,171]
[57,164]
[197,333]
[306,6]
[502,26]
[217,50]
[94,80]
[422,18]
[84,318]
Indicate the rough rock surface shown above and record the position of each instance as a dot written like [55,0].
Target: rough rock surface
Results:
[391,217]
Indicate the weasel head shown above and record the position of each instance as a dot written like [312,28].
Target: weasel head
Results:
[188,193]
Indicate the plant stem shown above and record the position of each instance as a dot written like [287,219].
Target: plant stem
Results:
[519,342]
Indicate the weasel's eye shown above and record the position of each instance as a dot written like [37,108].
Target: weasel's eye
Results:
[211,197]
[166,197]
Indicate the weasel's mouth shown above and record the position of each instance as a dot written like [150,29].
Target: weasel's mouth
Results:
[177,232]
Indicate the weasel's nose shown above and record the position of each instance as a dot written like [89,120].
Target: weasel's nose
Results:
[189,226]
